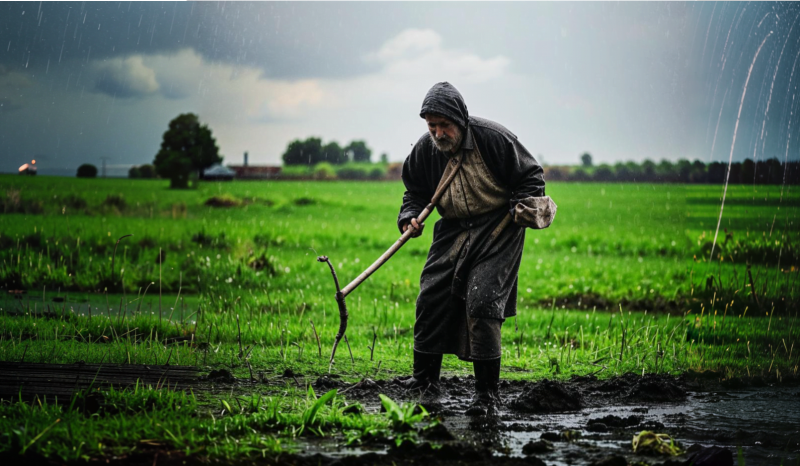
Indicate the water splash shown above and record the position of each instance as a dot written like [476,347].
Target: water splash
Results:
[714,142]
[788,126]
[733,144]
[772,86]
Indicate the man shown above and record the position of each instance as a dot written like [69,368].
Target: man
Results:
[468,286]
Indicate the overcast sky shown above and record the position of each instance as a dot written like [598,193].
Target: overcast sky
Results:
[624,81]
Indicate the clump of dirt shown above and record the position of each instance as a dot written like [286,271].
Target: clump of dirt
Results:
[223,200]
[74,202]
[304,201]
[547,396]
[438,432]
[221,375]
[537,447]
[654,389]
[115,201]
[209,240]
[328,382]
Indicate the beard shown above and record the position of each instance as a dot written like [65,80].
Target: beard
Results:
[447,144]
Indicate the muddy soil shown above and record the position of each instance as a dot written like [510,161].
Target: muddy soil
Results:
[586,421]
[582,421]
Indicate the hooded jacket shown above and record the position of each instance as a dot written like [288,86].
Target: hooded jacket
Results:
[505,157]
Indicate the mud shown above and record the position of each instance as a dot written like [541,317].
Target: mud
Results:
[547,397]
[581,421]
[586,421]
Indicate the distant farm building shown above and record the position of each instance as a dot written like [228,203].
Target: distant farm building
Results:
[256,172]
[217,172]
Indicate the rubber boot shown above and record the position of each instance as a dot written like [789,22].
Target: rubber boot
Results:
[426,372]
[487,392]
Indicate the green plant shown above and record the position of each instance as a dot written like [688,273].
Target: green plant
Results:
[309,418]
[647,442]
[403,418]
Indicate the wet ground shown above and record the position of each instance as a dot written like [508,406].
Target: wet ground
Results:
[587,421]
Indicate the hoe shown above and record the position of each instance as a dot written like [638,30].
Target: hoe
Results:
[341,293]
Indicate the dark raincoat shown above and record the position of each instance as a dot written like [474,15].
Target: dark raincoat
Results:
[469,283]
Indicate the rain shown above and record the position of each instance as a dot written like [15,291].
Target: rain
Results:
[208,251]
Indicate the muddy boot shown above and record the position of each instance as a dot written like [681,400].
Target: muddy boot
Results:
[487,393]
[426,372]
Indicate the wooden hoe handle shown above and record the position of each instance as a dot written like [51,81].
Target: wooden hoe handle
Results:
[341,294]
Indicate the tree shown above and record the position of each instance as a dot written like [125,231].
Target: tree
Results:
[293,155]
[586,159]
[308,152]
[748,173]
[621,172]
[147,171]
[384,157]
[333,153]
[142,171]
[87,170]
[716,172]
[186,146]
[648,170]
[603,173]
[684,170]
[579,175]
[357,151]
[698,174]
[666,171]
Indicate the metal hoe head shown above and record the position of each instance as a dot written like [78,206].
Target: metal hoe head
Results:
[342,310]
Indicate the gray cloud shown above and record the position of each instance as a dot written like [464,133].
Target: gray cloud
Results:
[128,77]
[622,80]
[284,40]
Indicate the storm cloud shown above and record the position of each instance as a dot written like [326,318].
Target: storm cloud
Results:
[625,81]
[128,77]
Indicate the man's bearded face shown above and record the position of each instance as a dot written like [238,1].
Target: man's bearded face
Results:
[444,132]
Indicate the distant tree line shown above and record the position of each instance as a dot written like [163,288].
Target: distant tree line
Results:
[312,151]
[771,171]
[142,171]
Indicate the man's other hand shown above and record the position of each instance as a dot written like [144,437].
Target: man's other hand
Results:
[416,226]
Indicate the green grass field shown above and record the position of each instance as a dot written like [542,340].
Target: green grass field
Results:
[621,282]
[634,243]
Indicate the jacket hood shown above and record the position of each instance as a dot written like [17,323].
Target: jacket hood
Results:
[444,99]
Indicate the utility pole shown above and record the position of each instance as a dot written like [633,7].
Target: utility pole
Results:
[104,166]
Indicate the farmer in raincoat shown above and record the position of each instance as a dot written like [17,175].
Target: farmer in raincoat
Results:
[468,286]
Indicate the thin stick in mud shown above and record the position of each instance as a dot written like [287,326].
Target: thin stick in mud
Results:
[353,361]
[316,335]
[372,348]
